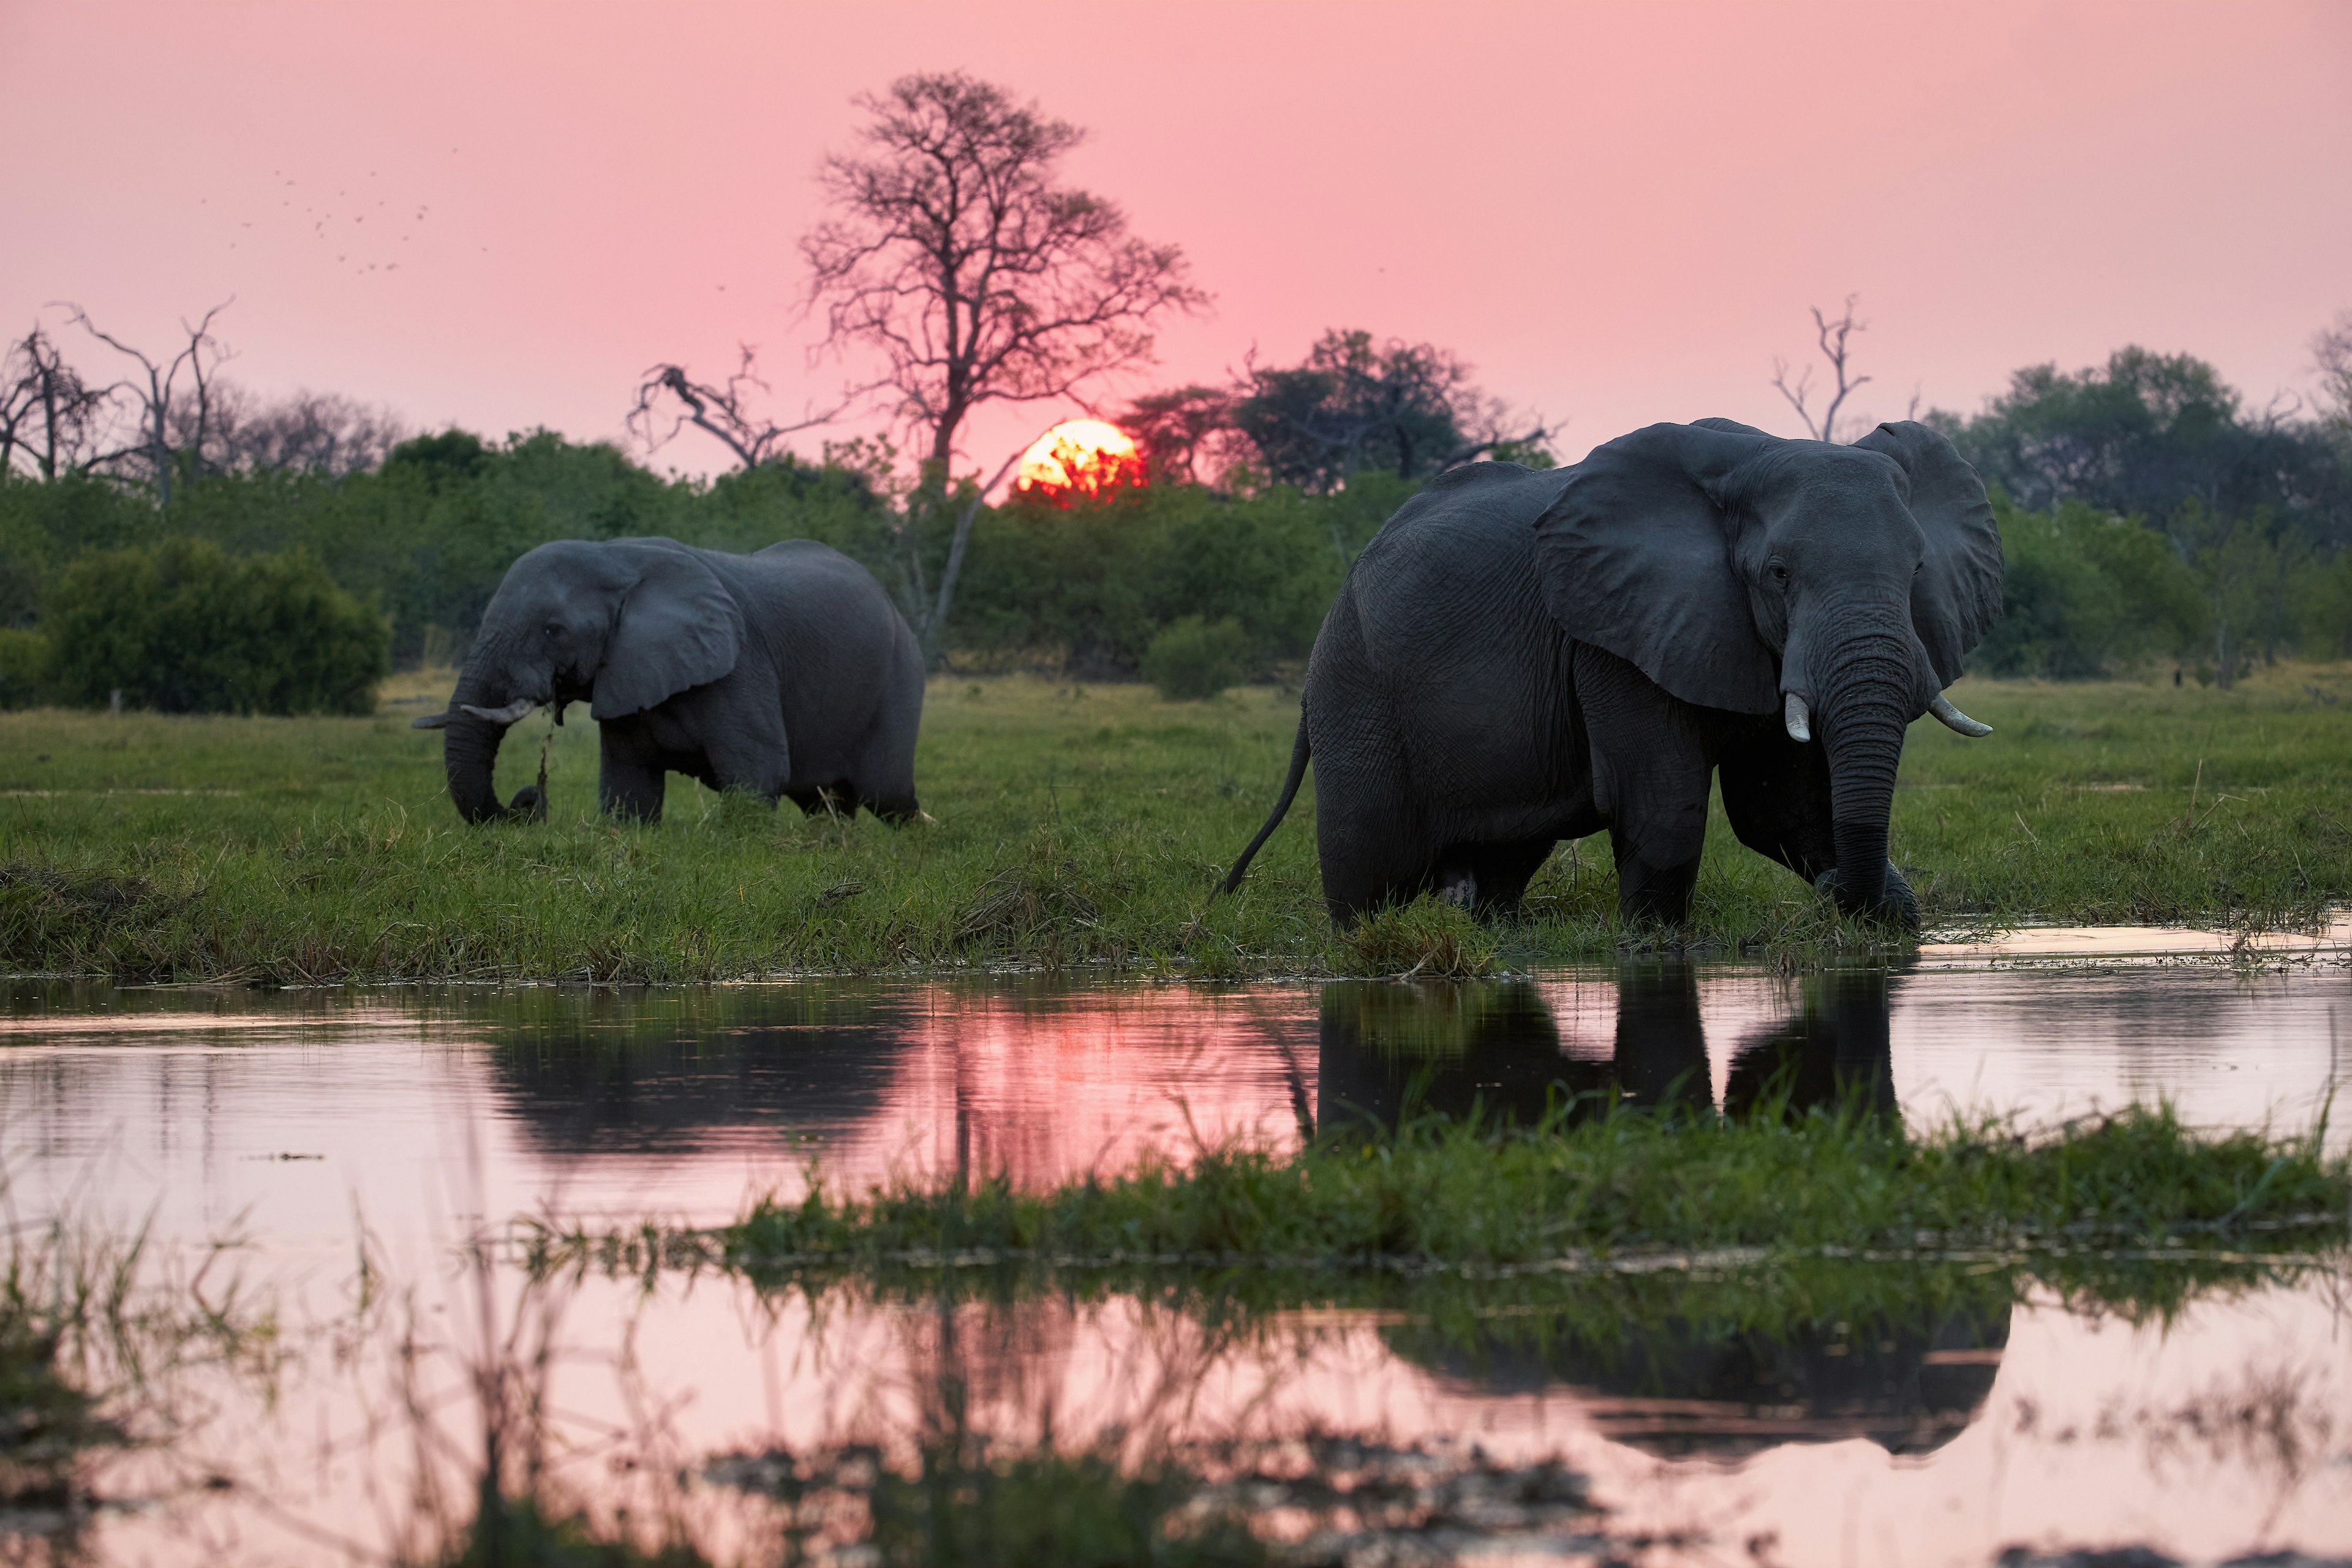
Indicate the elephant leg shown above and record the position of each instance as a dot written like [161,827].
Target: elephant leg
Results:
[1651,768]
[632,781]
[1490,877]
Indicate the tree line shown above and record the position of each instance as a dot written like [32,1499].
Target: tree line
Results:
[2150,514]
[2147,515]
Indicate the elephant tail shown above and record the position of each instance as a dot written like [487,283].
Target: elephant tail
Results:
[1281,809]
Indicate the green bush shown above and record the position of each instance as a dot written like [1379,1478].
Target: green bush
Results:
[24,669]
[2325,608]
[2084,593]
[1194,659]
[183,628]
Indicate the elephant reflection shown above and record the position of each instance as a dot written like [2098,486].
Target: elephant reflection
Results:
[1497,1047]
[1678,1379]
[593,1073]
[1713,1385]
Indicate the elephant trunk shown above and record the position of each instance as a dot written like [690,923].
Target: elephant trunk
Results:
[1866,705]
[470,748]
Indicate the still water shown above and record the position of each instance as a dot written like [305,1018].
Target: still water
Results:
[324,1157]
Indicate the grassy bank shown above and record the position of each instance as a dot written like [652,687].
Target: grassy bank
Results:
[1075,825]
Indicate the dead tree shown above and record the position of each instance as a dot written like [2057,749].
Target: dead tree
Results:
[306,432]
[953,255]
[2331,356]
[722,411]
[1833,336]
[157,428]
[49,413]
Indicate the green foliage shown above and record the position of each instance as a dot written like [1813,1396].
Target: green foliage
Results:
[2323,613]
[2146,434]
[1091,584]
[24,669]
[2085,594]
[183,628]
[1192,660]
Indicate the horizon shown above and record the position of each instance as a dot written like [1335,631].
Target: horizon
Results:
[1614,216]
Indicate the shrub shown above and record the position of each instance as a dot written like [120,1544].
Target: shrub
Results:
[24,669]
[2085,592]
[183,628]
[1192,660]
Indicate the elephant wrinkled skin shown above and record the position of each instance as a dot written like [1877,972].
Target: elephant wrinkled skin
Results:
[1522,656]
[788,673]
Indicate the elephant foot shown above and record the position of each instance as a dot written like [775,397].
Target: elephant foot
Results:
[529,805]
[1897,902]
[1459,886]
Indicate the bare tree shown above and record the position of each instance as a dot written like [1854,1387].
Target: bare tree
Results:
[48,412]
[151,443]
[306,432]
[2331,355]
[954,255]
[722,410]
[1833,336]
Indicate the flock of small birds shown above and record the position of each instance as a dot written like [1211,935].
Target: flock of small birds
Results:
[339,223]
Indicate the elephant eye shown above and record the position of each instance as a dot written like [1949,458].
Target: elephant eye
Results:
[1780,571]
[551,630]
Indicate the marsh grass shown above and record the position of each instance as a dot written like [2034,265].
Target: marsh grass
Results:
[96,1335]
[1076,826]
[1618,1191]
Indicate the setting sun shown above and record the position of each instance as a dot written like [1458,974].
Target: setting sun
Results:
[1079,457]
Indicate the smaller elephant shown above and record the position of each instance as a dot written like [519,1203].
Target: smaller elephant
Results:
[786,673]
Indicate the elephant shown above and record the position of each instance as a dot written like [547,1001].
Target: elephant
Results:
[786,673]
[1524,655]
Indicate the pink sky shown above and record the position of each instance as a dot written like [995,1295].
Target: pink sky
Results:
[1617,214]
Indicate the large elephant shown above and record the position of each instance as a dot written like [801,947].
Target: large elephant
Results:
[1521,657]
[785,673]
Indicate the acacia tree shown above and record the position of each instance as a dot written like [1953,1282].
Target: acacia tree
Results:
[1408,408]
[953,254]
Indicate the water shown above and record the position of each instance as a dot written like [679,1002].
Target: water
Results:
[279,1139]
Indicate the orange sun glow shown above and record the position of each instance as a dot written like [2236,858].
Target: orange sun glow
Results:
[1079,457]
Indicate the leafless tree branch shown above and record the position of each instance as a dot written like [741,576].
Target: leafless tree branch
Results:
[721,411]
[1833,337]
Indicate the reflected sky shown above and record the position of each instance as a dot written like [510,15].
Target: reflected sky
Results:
[294,1122]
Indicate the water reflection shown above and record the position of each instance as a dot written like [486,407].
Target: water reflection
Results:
[288,1120]
[1499,1050]
[1678,1388]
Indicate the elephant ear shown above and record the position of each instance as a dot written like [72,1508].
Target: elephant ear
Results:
[1956,596]
[678,626]
[1635,556]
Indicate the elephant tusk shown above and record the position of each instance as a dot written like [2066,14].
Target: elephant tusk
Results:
[430,722]
[1800,722]
[1941,707]
[512,714]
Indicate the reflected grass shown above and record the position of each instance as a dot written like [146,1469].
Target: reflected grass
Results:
[1076,826]
[97,1335]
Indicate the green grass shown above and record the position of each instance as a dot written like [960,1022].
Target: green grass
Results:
[1573,1193]
[1075,825]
